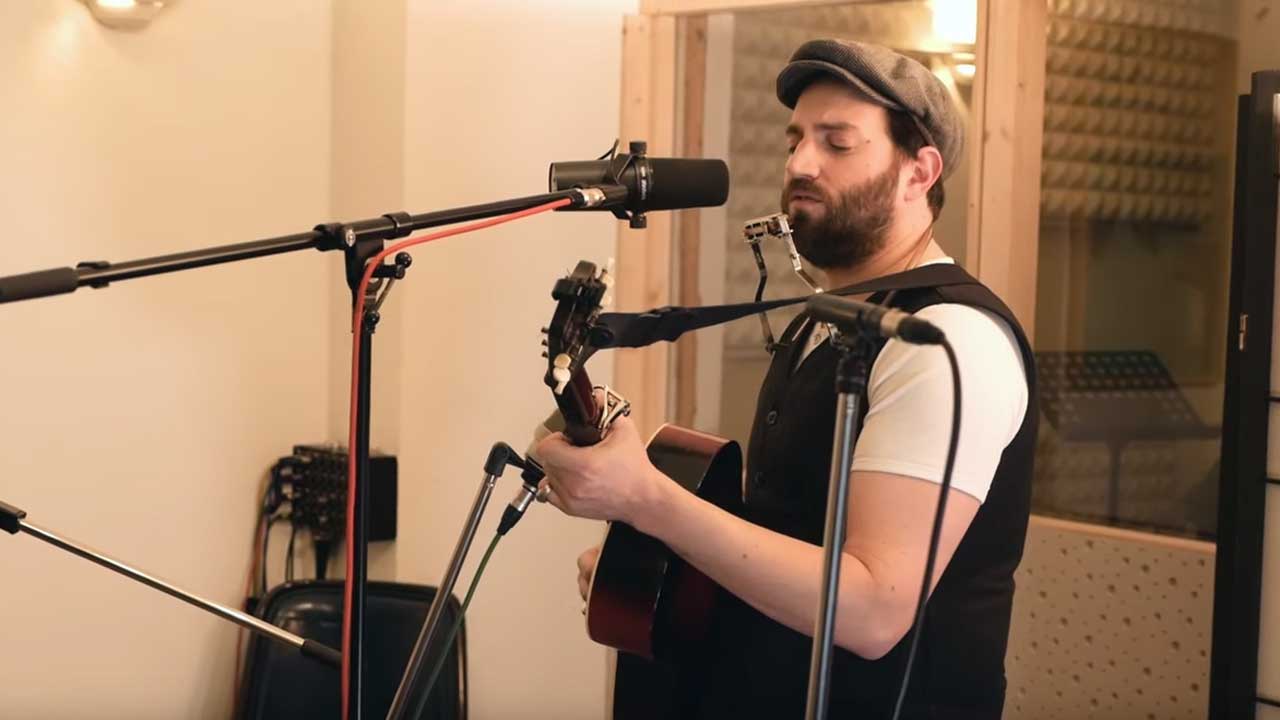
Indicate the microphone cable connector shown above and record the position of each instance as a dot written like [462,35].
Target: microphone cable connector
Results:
[531,475]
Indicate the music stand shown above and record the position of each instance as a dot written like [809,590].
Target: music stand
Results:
[1115,397]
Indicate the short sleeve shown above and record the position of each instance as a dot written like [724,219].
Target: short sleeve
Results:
[908,423]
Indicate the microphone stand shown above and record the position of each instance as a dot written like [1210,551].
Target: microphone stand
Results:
[359,241]
[411,690]
[852,368]
[13,521]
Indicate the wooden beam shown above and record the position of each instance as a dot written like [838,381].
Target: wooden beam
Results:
[694,7]
[695,86]
[1170,542]
[1011,52]
[973,210]
[644,256]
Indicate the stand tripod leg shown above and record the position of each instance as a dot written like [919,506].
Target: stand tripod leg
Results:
[13,520]
[411,683]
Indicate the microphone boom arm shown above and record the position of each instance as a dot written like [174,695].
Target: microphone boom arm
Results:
[332,236]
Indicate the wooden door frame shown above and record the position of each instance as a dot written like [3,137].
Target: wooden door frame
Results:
[1003,213]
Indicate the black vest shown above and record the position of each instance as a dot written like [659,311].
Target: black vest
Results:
[758,668]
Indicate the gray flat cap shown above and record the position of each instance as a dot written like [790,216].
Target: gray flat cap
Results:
[887,78]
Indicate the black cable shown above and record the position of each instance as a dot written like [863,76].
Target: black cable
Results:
[288,562]
[266,540]
[270,502]
[935,534]
[321,549]
[259,537]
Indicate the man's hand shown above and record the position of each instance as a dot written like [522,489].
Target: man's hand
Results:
[612,480]
[586,569]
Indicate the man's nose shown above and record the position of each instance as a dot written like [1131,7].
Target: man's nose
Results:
[803,162]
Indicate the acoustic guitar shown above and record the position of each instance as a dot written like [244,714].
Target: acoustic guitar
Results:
[644,600]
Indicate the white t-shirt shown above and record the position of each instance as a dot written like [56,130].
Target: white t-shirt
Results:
[908,424]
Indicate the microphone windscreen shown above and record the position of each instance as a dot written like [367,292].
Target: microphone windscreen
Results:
[678,183]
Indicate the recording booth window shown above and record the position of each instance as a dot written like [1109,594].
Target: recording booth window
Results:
[1116,587]
[1127,302]
[1135,234]
[1135,217]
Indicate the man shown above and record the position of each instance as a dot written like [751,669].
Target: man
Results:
[871,136]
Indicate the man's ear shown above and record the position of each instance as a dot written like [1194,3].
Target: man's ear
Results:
[926,169]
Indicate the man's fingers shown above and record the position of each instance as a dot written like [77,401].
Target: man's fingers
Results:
[586,568]
[587,560]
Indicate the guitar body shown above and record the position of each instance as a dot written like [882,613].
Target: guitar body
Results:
[644,600]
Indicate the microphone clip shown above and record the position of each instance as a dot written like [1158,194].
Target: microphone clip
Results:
[618,166]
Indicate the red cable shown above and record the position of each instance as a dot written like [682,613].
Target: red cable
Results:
[351,435]
[248,592]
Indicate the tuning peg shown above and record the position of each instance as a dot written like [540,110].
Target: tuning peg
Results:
[546,330]
[560,372]
[544,342]
[561,376]
[544,353]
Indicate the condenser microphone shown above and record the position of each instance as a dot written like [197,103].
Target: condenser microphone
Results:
[632,184]
[854,316]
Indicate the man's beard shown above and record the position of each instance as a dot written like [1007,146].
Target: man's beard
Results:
[854,227]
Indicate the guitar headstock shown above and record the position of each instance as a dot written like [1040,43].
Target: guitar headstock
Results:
[579,297]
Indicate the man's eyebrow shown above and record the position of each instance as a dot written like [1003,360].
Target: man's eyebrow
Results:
[794,129]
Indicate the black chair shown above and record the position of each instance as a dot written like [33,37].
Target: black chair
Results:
[279,683]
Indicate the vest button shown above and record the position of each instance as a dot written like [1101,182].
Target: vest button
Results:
[758,479]
[771,418]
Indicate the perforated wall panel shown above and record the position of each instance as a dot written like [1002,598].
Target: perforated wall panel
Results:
[1109,627]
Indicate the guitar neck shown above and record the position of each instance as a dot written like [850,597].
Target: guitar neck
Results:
[580,410]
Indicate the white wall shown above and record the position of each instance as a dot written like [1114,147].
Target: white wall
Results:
[140,419]
[369,38]
[497,89]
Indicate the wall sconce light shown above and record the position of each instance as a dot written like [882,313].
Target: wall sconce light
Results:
[964,65]
[126,14]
